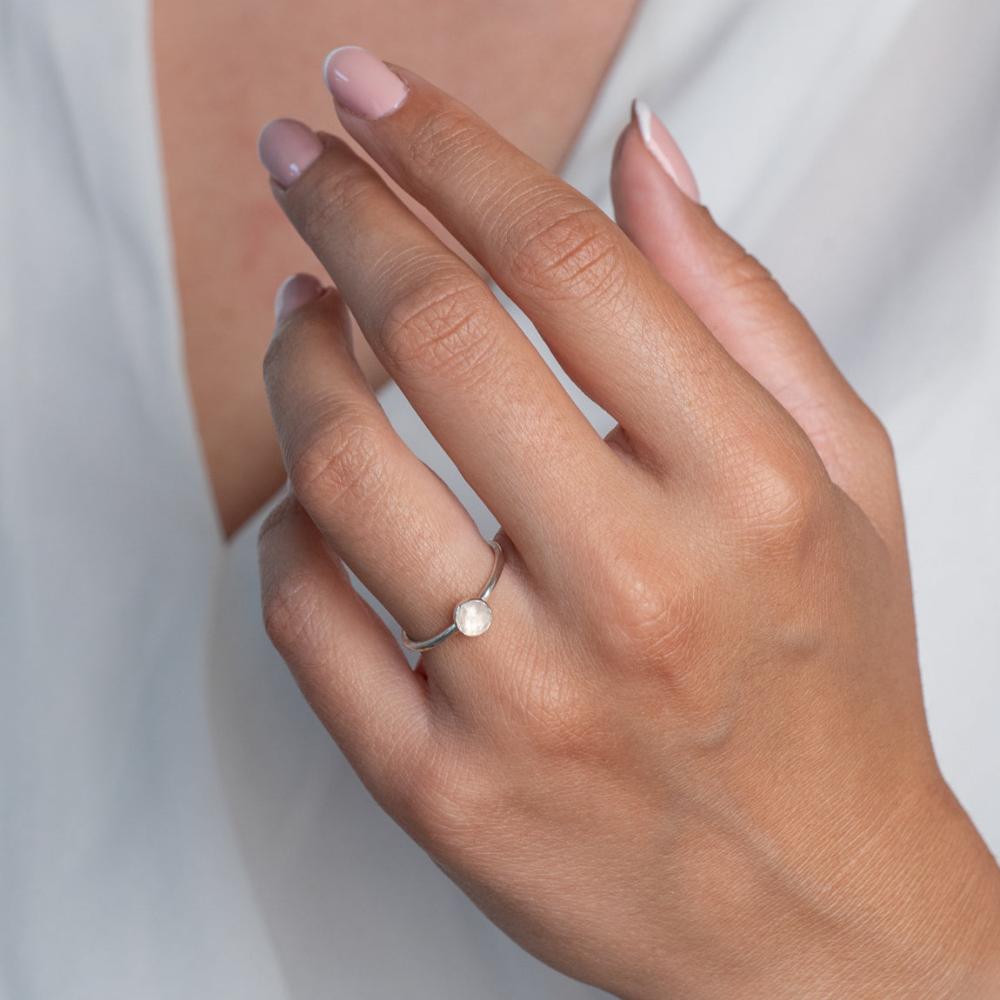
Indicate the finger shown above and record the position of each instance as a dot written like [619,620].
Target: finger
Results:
[472,375]
[394,522]
[738,300]
[346,662]
[618,330]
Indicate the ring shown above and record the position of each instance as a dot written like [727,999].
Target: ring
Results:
[471,617]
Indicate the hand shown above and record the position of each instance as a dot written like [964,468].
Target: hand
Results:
[689,759]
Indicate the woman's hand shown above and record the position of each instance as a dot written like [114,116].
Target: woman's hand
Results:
[689,758]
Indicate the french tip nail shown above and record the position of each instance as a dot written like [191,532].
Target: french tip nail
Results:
[361,83]
[641,115]
[664,149]
[331,55]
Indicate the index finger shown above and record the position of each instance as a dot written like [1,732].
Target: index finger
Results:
[617,328]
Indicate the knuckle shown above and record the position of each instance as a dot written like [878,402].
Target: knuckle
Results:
[442,139]
[277,518]
[441,331]
[743,270]
[664,632]
[649,619]
[343,463]
[571,248]
[784,501]
[875,437]
[747,278]
[560,713]
[291,611]
[330,194]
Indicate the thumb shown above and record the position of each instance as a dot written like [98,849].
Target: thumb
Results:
[657,204]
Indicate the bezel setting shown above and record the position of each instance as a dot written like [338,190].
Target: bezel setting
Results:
[473,617]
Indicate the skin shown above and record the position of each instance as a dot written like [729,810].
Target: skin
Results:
[690,758]
[231,244]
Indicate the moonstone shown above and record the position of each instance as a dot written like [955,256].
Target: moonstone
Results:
[473,617]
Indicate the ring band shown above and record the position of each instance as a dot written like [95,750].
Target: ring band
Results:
[471,617]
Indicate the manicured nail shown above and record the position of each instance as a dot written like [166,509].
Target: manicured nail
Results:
[362,83]
[294,293]
[287,149]
[664,150]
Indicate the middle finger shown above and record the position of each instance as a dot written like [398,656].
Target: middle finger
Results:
[623,334]
[474,378]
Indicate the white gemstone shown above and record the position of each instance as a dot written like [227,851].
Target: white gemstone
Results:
[473,617]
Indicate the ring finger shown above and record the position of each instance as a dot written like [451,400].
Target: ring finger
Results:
[400,529]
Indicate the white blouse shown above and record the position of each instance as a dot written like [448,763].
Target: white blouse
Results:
[173,820]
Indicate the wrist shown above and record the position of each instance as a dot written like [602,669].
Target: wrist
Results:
[919,916]
[915,913]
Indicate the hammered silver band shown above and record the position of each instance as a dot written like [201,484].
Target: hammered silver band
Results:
[471,617]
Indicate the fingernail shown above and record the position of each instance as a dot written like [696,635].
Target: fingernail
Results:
[294,293]
[664,150]
[362,83]
[287,149]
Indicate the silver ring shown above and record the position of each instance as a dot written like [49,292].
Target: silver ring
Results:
[471,617]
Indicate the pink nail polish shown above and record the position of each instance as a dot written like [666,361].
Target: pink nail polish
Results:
[295,292]
[664,150]
[287,149]
[361,83]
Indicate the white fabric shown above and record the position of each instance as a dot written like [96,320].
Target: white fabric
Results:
[174,821]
